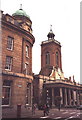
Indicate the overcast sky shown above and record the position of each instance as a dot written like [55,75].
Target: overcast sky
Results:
[64,16]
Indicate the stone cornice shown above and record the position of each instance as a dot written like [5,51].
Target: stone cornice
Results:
[51,41]
[62,84]
[8,73]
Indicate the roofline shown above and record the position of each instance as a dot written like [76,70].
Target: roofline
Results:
[50,41]
[19,29]
[22,16]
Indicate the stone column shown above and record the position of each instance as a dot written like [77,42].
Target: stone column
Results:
[53,97]
[78,102]
[65,97]
[61,95]
[69,96]
[75,97]
[72,97]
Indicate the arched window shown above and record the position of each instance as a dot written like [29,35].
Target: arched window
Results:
[47,58]
[57,59]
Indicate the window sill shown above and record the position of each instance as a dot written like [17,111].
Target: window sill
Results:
[27,57]
[9,49]
[6,106]
[7,69]
[27,104]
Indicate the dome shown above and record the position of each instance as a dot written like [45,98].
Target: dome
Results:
[21,12]
[51,34]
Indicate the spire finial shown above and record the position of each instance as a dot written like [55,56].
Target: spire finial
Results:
[51,34]
[50,27]
[20,6]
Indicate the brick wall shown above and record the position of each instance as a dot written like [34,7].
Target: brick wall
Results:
[52,48]
[18,53]
[17,75]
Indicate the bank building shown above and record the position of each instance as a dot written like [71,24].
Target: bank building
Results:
[20,86]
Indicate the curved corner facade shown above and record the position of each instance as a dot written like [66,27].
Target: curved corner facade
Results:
[17,76]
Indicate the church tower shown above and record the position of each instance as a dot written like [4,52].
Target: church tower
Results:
[50,54]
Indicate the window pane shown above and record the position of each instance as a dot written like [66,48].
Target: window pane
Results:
[28,95]
[5,95]
[8,63]
[6,83]
[27,51]
[10,43]
[26,68]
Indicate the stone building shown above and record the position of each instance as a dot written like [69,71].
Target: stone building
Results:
[50,82]
[17,43]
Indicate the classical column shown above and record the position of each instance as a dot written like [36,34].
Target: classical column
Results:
[78,100]
[53,97]
[77,97]
[61,95]
[74,97]
[65,97]
[69,96]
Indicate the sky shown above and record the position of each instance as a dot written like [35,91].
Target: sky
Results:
[64,16]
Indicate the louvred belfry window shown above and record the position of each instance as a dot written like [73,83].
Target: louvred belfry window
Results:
[57,59]
[47,58]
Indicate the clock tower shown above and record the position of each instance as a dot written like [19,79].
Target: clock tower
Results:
[50,54]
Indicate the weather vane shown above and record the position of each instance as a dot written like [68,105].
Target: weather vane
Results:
[20,6]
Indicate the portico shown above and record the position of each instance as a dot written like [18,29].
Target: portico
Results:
[69,94]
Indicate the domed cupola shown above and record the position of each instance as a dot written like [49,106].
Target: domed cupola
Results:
[22,19]
[50,34]
[20,13]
